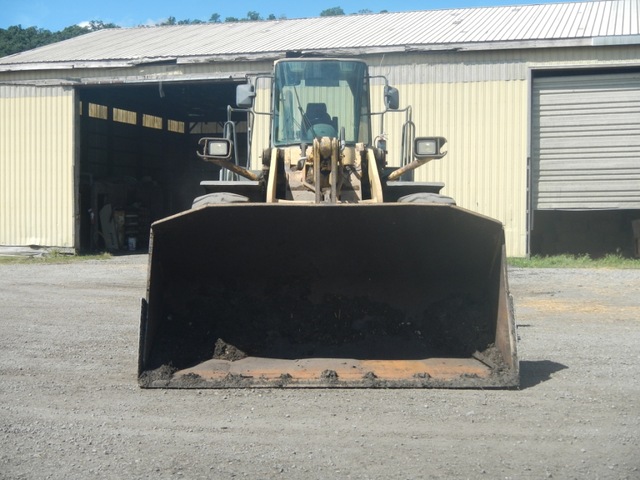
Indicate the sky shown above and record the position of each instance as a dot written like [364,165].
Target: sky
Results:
[55,15]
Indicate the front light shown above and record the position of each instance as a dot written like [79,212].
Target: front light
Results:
[426,147]
[218,148]
[429,147]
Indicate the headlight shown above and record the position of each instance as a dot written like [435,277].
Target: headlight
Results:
[429,147]
[220,148]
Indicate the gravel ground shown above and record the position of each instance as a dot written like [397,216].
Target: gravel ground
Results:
[70,406]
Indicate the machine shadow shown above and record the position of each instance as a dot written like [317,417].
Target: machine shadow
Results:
[535,372]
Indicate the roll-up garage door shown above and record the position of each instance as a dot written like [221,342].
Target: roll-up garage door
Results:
[586,142]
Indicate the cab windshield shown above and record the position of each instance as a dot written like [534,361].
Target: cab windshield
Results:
[316,98]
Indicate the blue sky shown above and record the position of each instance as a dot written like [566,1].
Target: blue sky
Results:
[55,15]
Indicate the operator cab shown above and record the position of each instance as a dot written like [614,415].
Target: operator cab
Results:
[317,98]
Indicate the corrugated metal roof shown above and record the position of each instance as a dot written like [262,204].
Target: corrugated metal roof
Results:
[521,26]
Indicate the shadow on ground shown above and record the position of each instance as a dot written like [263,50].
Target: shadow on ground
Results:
[535,372]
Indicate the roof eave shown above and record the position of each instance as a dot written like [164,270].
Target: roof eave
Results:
[528,44]
[334,52]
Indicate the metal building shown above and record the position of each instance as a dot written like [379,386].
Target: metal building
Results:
[540,105]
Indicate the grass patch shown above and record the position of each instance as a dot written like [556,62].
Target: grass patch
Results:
[50,258]
[575,261]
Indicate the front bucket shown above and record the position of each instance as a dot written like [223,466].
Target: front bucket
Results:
[367,295]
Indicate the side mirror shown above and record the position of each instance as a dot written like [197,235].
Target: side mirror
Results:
[391,97]
[245,94]
[429,147]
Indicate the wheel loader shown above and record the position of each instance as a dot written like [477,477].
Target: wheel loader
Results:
[328,266]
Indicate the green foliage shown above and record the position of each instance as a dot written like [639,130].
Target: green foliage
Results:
[16,39]
[332,12]
[252,16]
[99,25]
[574,261]
[173,21]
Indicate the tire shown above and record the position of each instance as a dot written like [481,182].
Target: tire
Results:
[218,198]
[427,198]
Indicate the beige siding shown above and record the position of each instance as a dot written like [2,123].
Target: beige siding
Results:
[262,123]
[36,166]
[479,100]
[485,124]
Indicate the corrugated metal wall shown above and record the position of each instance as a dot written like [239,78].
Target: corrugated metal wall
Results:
[36,166]
[485,124]
[586,142]
[478,100]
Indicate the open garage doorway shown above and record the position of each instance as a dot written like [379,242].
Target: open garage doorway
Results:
[137,151]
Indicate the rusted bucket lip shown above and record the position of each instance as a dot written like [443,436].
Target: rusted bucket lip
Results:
[338,372]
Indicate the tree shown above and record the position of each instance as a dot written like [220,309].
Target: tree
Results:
[16,39]
[252,16]
[215,18]
[98,25]
[332,12]
[173,21]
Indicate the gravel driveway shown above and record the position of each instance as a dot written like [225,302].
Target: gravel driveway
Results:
[70,406]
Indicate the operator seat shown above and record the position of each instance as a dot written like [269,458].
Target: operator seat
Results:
[316,114]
